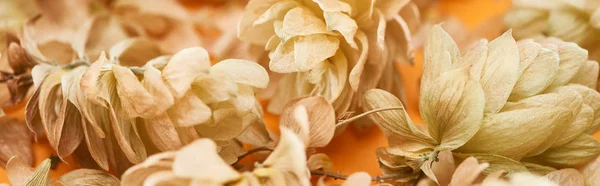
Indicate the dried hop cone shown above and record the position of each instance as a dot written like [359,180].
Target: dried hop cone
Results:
[119,114]
[334,48]
[573,21]
[199,164]
[527,105]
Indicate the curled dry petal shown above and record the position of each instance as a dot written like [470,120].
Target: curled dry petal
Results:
[183,68]
[591,171]
[394,123]
[496,162]
[15,140]
[320,161]
[88,177]
[289,157]
[243,72]
[467,172]
[319,116]
[201,161]
[20,173]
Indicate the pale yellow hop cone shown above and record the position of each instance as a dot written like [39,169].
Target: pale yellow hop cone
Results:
[337,49]
[119,114]
[517,105]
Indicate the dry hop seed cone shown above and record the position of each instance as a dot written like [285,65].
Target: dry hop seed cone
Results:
[519,106]
[199,164]
[116,115]
[572,21]
[337,49]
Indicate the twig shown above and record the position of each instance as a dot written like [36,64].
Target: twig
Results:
[252,151]
[366,113]
[344,177]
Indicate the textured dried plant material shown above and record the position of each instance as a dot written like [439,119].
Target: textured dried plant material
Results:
[125,113]
[572,21]
[316,113]
[16,76]
[20,173]
[285,166]
[591,172]
[15,140]
[566,177]
[88,177]
[330,44]
[319,161]
[467,172]
[498,103]
[166,22]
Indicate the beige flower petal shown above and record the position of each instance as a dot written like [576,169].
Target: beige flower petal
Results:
[320,161]
[320,118]
[189,111]
[138,173]
[15,140]
[89,81]
[21,174]
[440,53]
[334,6]
[509,133]
[566,177]
[88,177]
[311,50]
[496,162]
[591,98]
[225,125]
[247,31]
[587,75]
[358,179]
[200,160]
[183,68]
[357,70]
[162,133]
[591,172]
[394,123]
[342,23]
[579,151]
[467,172]
[289,157]
[500,72]
[243,71]
[214,88]
[134,51]
[453,108]
[135,99]
[572,58]
[536,73]
[390,8]
[300,21]
[169,178]
[276,12]
[162,98]
[97,35]
[18,171]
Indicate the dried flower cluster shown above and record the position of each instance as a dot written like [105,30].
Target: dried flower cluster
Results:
[520,106]
[334,48]
[573,21]
[127,90]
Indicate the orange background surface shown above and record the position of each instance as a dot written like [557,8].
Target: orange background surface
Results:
[353,150]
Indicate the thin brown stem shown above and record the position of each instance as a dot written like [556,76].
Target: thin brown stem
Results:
[365,114]
[344,177]
[251,151]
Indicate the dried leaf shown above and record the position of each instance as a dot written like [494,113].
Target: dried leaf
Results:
[15,140]
[320,118]
[183,68]
[243,72]
[88,177]
[467,172]
[20,173]
[320,161]
[496,162]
